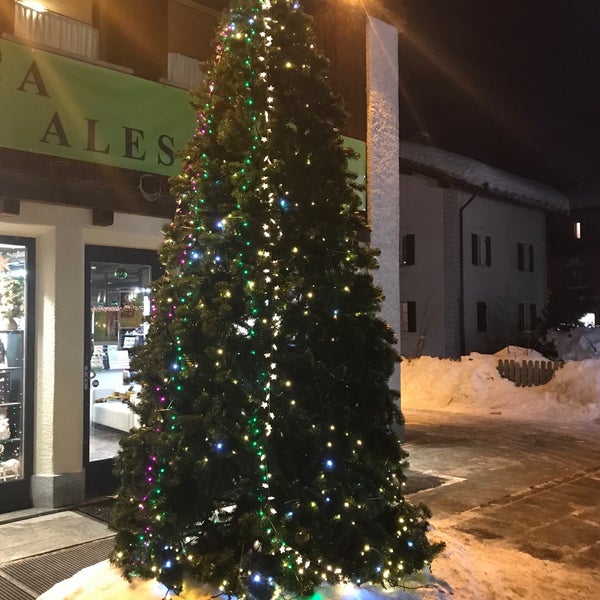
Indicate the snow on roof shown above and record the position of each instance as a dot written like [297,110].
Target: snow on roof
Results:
[441,163]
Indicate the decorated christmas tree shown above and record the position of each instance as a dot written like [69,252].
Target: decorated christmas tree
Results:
[265,461]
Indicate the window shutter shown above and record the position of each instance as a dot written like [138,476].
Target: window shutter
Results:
[488,250]
[481,317]
[412,316]
[408,249]
[520,256]
[530,250]
[521,317]
[532,316]
[474,248]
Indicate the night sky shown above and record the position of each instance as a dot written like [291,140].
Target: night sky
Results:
[513,83]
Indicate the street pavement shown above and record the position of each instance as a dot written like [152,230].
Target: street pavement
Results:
[534,486]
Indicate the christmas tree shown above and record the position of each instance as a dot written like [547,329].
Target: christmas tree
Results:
[265,461]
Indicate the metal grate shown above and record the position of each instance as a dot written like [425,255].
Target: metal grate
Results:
[9,591]
[41,572]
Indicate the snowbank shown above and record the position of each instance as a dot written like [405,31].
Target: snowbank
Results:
[577,344]
[473,385]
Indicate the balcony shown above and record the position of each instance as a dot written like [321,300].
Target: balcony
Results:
[184,72]
[56,31]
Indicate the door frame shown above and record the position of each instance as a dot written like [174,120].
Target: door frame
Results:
[99,477]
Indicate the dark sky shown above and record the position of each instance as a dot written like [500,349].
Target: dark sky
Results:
[514,83]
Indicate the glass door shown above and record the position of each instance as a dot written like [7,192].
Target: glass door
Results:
[118,304]
[16,362]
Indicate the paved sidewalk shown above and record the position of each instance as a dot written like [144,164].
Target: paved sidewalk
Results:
[534,486]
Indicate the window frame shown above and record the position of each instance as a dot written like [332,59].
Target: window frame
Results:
[481,250]
[525,257]
[527,312]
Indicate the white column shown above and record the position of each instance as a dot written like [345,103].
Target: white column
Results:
[58,458]
[383,177]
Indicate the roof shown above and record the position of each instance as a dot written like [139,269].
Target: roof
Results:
[471,174]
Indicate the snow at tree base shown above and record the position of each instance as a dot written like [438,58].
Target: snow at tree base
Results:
[266,461]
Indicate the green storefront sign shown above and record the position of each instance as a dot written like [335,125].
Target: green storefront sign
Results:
[59,106]
[63,107]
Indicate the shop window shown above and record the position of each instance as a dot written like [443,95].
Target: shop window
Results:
[525,257]
[408,249]
[409,316]
[481,250]
[13,300]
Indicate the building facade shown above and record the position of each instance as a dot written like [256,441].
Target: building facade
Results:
[574,280]
[473,269]
[95,109]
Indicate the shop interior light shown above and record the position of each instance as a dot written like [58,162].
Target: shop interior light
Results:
[37,6]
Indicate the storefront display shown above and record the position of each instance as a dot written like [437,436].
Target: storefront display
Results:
[119,305]
[12,313]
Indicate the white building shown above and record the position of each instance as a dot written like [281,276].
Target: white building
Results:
[473,253]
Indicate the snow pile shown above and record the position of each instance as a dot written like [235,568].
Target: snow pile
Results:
[475,570]
[104,582]
[577,344]
[473,385]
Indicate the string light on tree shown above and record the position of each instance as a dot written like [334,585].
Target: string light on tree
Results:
[265,463]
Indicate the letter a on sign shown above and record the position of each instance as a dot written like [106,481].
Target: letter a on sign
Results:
[34,77]
[57,130]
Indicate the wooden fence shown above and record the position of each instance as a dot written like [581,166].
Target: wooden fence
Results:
[528,372]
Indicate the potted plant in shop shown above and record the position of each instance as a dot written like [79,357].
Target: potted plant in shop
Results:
[11,300]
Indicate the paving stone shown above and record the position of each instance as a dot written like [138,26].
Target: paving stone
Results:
[487,528]
[588,483]
[570,532]
[542,552]
[570,495]
[588,558]
[590,514]
[529,512]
